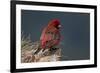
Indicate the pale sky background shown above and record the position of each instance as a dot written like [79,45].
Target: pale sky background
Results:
[75,31]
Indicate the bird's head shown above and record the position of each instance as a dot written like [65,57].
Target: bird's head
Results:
[55,23]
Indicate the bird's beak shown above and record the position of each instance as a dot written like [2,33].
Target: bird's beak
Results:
[59,26]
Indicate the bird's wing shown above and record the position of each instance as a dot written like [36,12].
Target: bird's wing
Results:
[53,38]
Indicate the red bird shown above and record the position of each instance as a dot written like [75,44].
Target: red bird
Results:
[51,34]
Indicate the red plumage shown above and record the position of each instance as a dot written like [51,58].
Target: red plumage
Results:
[51,34]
